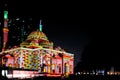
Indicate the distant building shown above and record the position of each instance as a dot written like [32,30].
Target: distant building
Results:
[19,29]
[1,27]
[0,43]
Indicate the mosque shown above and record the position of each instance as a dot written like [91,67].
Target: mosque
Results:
[37,54]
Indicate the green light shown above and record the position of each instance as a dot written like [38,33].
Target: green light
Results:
[5,14]
[40,28]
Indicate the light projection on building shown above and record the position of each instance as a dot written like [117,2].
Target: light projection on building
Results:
[37,53]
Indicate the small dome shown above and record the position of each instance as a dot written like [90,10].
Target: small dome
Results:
[37,35]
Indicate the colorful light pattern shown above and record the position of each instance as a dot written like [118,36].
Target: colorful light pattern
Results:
[37,53]
[34,59]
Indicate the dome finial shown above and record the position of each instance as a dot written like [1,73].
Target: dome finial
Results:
[40,25]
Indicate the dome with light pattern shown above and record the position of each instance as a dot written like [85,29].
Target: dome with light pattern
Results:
[37,35]
[37,39]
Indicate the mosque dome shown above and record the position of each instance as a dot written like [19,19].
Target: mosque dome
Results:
[37,39]
[37,35]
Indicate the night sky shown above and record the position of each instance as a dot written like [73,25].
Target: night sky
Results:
[89,31]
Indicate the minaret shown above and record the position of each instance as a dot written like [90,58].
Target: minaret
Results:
[5,29]
[40,26]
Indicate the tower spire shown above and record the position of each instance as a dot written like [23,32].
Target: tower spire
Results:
[5,29]
[40,25]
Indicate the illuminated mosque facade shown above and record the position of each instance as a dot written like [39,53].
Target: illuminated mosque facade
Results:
[37,53]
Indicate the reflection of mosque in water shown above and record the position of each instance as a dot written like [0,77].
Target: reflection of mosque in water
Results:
[37,53]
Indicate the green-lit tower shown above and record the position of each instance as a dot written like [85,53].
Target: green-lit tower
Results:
[5,29]
[40,26]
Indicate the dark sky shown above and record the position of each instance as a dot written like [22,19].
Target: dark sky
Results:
[90,31]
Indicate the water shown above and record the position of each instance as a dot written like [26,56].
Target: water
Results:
[80,77]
